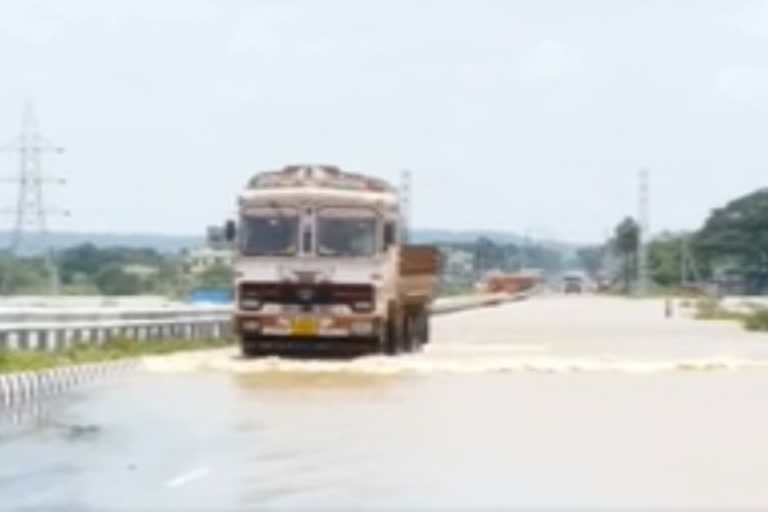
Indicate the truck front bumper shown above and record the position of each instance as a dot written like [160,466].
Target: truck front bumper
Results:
[307,326]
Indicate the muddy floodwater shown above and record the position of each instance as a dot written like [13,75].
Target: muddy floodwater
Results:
[551,403]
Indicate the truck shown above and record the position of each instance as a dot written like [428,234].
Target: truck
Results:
[573,283]
[322,263]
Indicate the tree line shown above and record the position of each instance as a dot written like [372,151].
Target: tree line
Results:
[87,269]
[733,237]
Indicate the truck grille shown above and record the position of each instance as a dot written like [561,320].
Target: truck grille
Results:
[305,294]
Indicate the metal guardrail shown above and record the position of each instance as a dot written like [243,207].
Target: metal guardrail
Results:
[56,328]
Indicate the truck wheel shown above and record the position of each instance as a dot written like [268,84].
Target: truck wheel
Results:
[423,326]
[393,332]
[411,332]
[418,328]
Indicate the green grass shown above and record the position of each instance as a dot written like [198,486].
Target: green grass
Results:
[754,320]
[757,320]
[710,309]
[30,360]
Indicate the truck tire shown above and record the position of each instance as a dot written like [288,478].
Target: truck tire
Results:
[411,331]
[392,342]
[423,325]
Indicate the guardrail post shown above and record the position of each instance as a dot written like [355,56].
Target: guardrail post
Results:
[60,339]
[23,339]
[33,342]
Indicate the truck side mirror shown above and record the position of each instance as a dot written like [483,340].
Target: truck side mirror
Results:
[230,231]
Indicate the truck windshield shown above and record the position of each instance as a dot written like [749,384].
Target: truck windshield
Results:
[270,234]
[346,232]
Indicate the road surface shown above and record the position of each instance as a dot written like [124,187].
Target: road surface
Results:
[556,402]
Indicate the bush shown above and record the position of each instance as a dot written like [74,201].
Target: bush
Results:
[710,309]
[757,320]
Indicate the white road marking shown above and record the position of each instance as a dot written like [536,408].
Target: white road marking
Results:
[188,477]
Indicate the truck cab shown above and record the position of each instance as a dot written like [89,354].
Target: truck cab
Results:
[320,264]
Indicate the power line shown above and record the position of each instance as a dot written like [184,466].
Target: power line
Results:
[30,213]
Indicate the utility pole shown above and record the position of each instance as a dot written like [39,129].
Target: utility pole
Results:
[30,213]
[683,262]
[688,263]
[643,234]
[405,205]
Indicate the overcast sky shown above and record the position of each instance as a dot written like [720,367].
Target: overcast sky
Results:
[523,116]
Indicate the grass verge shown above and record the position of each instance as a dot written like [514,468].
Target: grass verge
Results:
[710,309]
[30,360]
[754,320]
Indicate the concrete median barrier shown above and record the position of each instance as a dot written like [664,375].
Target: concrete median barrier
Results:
[26,386]
[466,302]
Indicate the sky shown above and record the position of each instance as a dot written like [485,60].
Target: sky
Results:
[525,116]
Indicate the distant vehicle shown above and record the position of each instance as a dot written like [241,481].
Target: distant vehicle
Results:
[499,282]
[321,263]
[573,283]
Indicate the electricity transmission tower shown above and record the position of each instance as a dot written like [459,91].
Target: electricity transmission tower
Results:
[30,213]
[643,234]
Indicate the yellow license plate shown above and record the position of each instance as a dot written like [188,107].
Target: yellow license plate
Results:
[304,326]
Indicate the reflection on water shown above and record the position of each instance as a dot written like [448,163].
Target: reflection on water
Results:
[292,381]
[307,440]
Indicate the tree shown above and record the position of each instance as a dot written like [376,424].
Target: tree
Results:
[113,280]
[627,238]
[487,255]
[85,259]
[665,259]
[28,275]
[736,234]
[591,258]
[217,276]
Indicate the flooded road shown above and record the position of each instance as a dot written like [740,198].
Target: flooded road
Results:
[552,403]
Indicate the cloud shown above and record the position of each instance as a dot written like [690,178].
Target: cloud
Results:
[752,20]
[547,60]
[37,23]
[744,83]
